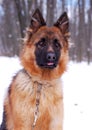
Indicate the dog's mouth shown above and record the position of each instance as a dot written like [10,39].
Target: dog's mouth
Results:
[48,65]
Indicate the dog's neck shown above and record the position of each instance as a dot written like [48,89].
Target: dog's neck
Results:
[40,81]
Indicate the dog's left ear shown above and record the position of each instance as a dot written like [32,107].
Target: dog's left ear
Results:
[37,20]
[63,24]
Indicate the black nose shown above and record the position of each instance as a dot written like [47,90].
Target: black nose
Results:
[51,56]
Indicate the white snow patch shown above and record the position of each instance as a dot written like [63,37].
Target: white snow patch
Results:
[78,96]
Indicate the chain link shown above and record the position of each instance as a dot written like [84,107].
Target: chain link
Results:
[38,94]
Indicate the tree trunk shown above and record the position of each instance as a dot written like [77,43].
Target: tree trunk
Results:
[81,28]
[89,33]
[11,30]
[21,15]
[51,10]
[63,5]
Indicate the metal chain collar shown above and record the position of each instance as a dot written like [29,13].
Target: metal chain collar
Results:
[38,94]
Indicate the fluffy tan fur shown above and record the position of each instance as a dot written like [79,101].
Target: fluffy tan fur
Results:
[20,102]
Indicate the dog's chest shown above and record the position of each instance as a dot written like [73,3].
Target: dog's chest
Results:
[23,99]
[48,97]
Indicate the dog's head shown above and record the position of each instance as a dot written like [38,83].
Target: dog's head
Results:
[45,52]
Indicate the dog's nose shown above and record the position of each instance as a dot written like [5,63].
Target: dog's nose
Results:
[51,56]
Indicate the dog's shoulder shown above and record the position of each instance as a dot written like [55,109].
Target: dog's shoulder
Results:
[21,82]
[22,75]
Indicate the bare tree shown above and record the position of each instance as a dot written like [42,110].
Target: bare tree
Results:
[11,30]
[21,12]
[63,5]
[51,6]
[81,28]
[89,34]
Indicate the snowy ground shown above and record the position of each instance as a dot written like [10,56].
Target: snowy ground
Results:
[77,92]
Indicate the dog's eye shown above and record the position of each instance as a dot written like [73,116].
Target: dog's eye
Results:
[56,44]
[41,43]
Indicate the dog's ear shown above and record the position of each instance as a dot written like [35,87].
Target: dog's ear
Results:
[63,24]
[37,20]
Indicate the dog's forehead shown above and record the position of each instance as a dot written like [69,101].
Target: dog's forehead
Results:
[50,32]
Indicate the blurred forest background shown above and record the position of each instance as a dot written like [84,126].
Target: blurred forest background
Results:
[15,17]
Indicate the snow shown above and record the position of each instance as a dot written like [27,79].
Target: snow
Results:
[78,96]
[8,67]
[77,92]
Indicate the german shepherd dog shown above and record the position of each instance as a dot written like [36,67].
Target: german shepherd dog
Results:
[35,99]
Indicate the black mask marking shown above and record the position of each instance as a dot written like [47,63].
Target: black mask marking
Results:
[45,57]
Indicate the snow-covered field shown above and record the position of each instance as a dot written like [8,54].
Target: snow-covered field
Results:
[77,82]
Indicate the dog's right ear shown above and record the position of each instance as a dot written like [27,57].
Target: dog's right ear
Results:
[37,21]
